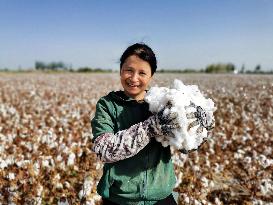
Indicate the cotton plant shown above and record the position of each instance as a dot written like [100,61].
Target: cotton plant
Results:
[86,188]
[193,110]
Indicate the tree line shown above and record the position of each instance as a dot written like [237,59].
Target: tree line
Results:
[219,68]
[60,66]
[212,68]
[39,65]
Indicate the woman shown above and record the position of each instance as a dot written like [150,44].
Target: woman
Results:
[137,169]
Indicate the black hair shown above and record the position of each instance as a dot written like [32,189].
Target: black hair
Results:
[142,51]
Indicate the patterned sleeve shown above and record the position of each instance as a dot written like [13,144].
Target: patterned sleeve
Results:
[111,147]
[102,121]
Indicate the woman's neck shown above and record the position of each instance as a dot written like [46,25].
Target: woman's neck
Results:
[138,98]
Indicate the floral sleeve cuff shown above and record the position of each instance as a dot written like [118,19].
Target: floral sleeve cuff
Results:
[111,147]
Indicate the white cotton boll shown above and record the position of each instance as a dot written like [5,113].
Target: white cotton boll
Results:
[38,198]
[266,186]
[63,202]
[205,182]
[97,197]
[196,202]
[59,185]
[67,184]
[98,165]
[66,150]
[56,178]
[79,153]
[187,199]
[62,165]
[157,103]
[217,201]
[11,176]
[45,163]
[49,139]
[71,159]
[264,161]
[10,160]
[74,144]
[56,181]
[36,168]
[178,179]
[59,158]
[181,97]
[23,163]
[3,164]
[87,186]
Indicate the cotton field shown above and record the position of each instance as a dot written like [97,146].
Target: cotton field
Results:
[45,133]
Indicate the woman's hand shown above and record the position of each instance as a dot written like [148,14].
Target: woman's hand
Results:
[163,122]
[199,118]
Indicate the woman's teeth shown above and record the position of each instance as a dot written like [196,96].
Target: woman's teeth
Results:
[132,85]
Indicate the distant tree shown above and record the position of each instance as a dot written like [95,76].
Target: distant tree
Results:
[4,69]
[230,67]
[220,68]
[93,70]
[242,69]
[85,69]
[257,69]
[40,65]
[50,66]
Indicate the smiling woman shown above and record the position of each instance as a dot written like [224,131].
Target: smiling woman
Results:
[137,168]
[135,76]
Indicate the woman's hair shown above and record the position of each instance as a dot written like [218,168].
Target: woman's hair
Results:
[143,51]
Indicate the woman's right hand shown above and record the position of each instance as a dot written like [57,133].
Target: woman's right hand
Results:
[163,122]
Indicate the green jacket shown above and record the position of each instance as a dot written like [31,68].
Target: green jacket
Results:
[144,178]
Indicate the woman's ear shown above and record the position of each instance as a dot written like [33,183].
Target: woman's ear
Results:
[150,81]
[152,78]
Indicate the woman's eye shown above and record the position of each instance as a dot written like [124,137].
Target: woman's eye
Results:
[128,70]
[142,73]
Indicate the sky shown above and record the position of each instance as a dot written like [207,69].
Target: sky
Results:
[183,33]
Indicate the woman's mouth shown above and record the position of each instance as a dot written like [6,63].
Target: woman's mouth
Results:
[132,85]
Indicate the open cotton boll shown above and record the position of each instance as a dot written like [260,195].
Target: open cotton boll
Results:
[158,98]
[182,96]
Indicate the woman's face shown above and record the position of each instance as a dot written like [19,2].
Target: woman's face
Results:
[135,76]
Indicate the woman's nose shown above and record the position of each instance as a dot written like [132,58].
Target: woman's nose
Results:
[134,77]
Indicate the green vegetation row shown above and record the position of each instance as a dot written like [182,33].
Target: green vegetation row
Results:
[212,68]
[219,68]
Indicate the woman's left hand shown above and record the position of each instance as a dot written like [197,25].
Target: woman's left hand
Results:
[199,117]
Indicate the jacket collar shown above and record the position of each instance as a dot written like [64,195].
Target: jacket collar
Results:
[121,96]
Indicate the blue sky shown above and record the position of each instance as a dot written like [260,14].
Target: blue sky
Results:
[183,34]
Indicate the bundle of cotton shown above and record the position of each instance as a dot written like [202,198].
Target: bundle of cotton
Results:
[195,113]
